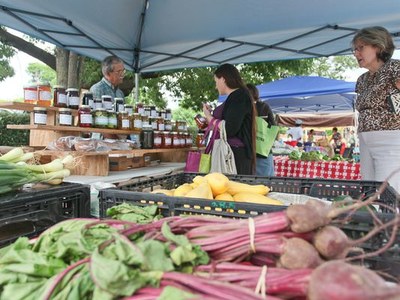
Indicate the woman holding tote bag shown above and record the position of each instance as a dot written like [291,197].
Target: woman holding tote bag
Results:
[238,112]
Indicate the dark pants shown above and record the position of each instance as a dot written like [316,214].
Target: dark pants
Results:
[243,163]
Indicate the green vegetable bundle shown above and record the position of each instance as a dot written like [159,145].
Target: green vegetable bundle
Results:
[15,172]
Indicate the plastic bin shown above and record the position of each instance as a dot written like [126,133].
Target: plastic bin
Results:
[30,212]
[137,193]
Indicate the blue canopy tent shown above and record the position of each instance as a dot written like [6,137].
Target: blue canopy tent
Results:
[308,94]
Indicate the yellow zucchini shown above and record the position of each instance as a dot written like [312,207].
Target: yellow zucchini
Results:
[239,187]
[255,198]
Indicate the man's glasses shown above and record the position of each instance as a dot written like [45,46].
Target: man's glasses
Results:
[120,72]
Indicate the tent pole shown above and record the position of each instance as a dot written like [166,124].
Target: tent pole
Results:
[136,87]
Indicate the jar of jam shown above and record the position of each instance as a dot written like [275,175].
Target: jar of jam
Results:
[160,124]
[30,94]
[87,99]
[180,125]
[182,138]
[136,122]
[175,143]
[200,140]
[167,140]
[124,122]
[168,114]
[59,96]
[201,121]
[157,139]
[167,125]
[147,111]
[107,102]
[145,121]
[129,109]
[72,98]
[100,118]
[153,122]
[139,108]
[65,117]
[147,137]
[40,116]
[44,94]
[85,118]
[119,104]
[97,103]
[112,119]
[162,113]
[153,111]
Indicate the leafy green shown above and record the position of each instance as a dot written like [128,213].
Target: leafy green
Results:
[134,213]
[170,292]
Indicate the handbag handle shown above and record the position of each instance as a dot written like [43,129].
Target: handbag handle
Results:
[213,135]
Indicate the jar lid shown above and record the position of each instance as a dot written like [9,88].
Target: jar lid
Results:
[110,111]
[31,85]
[128,105]
[100,109]
[123,112]
[85,106]
[72,90]
[64,109]
[59,87]
[45,83]
[119,99]
[106,96]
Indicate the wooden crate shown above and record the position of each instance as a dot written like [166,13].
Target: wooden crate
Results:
[124,162]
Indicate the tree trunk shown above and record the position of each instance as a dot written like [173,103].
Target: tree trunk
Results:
[73,67]
[28,48]
[62,57]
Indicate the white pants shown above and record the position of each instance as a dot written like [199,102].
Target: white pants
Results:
[380,156]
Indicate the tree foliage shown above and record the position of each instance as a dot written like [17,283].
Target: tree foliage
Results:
[6,53]
[41,73]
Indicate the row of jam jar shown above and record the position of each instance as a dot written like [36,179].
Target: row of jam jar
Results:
[165,139]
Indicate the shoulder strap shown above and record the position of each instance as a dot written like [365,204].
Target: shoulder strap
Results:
[213,136]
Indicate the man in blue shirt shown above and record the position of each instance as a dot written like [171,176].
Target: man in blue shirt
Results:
[113,71]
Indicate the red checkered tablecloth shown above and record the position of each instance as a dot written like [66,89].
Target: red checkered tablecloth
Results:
[284,167]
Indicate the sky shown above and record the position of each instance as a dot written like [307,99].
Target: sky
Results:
[12,88]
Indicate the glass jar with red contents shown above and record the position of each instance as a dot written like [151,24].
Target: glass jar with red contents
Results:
[189,140]
[157,139]
[167,140]
[200,140]
[59,96]
[85,118]
[139,108]
[201,121]
[175,143]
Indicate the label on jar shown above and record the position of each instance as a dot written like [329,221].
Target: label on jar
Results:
[73,101]
[112,121]
[65,119]
[40,118]
[167,141]
[161,127]
[168,127]
[86,119]
[157,141]
[154,125]
[62,99]
[125,124]
[107,105]
[140,110]
[97,104]
[30,95]
[137,123]
[45,95]
[101,121]
[120,107]
[91,103]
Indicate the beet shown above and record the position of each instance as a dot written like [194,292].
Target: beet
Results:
[306,218]
[331,242]
[337,280]
[299,254]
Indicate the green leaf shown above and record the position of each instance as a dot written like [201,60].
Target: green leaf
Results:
[170,292]
[133,213]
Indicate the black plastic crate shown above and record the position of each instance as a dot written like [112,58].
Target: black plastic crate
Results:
[31,211]
[321,188]
[175,206]
[358,225]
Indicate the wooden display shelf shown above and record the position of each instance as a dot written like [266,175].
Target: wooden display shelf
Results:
[29,107]
[72,129]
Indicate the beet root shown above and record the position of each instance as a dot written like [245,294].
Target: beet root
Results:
[337,280]
[331,242]
[306,218]
[299,254]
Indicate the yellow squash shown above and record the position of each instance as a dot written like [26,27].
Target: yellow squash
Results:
[202,191]
[218,183]
[255,198]
[239,187]
[182,190]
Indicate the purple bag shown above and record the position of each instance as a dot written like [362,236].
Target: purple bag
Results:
[193,161]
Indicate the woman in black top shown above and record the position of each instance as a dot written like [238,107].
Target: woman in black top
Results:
[239,115]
